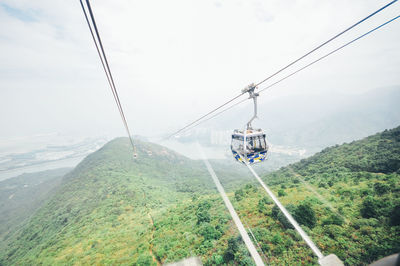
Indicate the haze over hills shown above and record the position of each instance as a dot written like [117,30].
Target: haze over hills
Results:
[21,196]
[42,152]
[310,122]
[112,209]
[165,67]
[296,127]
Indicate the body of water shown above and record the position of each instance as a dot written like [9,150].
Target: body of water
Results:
[70,162]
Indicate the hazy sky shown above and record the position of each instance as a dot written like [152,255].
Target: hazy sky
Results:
[174,60]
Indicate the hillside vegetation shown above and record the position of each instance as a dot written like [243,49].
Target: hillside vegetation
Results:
[22,195]
[113,209]
[105,209]
[346,197]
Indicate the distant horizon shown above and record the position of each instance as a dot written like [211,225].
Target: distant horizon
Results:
[171,65]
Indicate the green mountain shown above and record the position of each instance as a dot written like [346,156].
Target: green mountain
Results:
[105,208]
[112,209]
[22,195]
[346,197]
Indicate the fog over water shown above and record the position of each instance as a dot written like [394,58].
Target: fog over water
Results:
[41,167]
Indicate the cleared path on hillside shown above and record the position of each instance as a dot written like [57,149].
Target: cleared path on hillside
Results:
[249,244]
[331,259]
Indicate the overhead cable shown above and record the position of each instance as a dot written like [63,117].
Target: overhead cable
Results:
[328,54]
[215,115]
[106,67]
[198,121]
[295,72]
[101,59]
[200,118]
[328,41]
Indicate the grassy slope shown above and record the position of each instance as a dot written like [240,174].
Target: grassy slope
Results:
[354,191]
[21,196]
[337,184]
[103,212]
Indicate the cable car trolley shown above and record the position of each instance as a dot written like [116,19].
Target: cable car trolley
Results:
[250,144]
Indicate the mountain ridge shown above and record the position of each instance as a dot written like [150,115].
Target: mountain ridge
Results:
[101,213]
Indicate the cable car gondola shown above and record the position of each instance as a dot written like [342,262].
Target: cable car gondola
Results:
[250,145]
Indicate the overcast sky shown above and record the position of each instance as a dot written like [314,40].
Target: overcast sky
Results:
[174,60]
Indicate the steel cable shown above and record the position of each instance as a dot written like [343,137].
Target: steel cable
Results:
[297,71]
[328,41]
[279,71]
[106,67]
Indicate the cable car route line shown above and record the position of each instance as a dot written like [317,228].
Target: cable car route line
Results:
[106,67]
[200,118]
[330,53]
[319,196]
[217,114]
[303,234]
[292,63]
[258,244]
[99,53]
[249,244]
[293,73]
[328,41]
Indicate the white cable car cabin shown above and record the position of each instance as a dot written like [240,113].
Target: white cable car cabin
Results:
[250,145]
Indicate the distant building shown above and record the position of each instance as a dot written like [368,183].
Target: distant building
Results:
[220,137]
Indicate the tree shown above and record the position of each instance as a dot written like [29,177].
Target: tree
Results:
[206,205]
[395,215]
[369,208]
[276,239]
[217,259]
[202,213]
[261,204]
[250,187]
[144,260]
[304,214]
[203,216]
[209,232]
[333,219]
[239,194]
[381,188]
[277,214]
[275,211]
[281,193]
[232,248]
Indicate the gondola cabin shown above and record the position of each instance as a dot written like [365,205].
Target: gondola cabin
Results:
[249,145]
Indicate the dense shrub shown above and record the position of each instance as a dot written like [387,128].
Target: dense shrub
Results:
[233,247]
[333,219]
[239,194]
[395,215]
[381,188]
[261,204]
[209,232]
[144,260]
[305,215]
[281,193]
[202,213]
[203,216]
